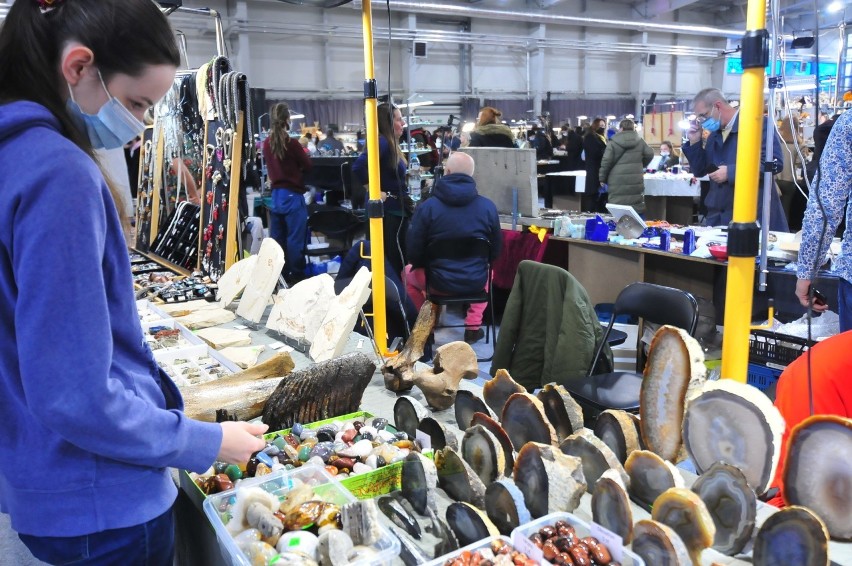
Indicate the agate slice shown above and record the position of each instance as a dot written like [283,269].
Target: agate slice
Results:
[611,506]
[791,537]
[441,436]
[618,430]
[458,479]
[818,471]
[684,512]
[737,424]
[466,405]
[494,428]
[550,480]
[675,364]
[483,452]
[650,476]
[469,523]
[505,506]
[595,455]
[524,421]
[394,510]
[419,480]
[498,389]
[407,414]
[659,545]
[731,503]
[563,412]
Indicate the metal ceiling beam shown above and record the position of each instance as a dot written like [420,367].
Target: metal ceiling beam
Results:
[465,10]
[655,8]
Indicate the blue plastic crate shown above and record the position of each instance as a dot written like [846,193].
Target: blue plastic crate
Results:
[762,377]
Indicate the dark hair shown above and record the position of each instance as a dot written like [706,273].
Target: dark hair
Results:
[385,120]
[279,129]
[125,36]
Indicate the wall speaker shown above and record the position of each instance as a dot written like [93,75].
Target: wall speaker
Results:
[651,59]
[420,49]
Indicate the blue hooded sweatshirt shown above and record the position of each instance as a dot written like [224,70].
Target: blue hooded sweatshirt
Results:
[455,210]
[90,422]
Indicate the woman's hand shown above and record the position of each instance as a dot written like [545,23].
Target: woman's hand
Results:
[240,440]
[384,196]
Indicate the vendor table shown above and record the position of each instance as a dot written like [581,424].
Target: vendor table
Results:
[196,542]
[668,196]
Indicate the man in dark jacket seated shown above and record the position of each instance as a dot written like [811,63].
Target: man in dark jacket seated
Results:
[455,210]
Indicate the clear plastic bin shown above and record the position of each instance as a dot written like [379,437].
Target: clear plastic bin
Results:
[484,543]
[279,483]
[583,530]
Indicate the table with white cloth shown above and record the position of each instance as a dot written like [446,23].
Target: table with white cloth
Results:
[668,196]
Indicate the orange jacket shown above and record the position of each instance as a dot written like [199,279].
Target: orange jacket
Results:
[831,382]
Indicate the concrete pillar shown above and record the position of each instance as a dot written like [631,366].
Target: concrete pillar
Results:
[537,65]
[242,62]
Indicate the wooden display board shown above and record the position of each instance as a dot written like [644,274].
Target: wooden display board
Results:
[499,170]
[658,127]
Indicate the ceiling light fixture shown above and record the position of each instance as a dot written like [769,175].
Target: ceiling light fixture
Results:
[835,6]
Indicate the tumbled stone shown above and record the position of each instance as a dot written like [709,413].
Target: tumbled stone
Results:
[349,435]
[247,536]
[379,423]
[265,458]
[292,440]
[233,471]
[343,463]
[279,442]
[222,482]
[322,450]
[263,470]
[332,470]
[272,450]
[304,453]
[307,433]
[360,468]
[315,461]
[357,425]
[251,466]
[297,429]
[401,435]
[386,436]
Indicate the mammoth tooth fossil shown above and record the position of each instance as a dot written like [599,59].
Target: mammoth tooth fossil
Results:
[318,392]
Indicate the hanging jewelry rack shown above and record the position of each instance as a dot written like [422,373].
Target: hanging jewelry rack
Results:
[221,46]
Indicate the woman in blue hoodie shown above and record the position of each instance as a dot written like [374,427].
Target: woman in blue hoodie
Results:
[91,423]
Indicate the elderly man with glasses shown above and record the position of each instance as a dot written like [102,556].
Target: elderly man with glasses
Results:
[717,158]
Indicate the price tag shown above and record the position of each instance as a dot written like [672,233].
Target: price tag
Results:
[277,345]
[241,327]
[424,439]
[522,543]
[360,344]
[613,542]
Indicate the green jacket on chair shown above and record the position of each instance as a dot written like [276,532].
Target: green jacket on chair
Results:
[549,330]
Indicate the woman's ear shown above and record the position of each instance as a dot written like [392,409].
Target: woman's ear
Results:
[76,61]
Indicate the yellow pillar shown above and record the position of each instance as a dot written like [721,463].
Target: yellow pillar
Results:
[738,293]
[377,243]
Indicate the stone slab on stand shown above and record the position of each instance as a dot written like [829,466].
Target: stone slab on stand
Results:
[262,282]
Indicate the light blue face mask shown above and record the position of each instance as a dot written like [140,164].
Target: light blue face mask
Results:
[711,124]
[113,125]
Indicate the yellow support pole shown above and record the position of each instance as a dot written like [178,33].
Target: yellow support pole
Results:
[738,295]
[374,207]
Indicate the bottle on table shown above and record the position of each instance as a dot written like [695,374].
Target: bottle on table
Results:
[414,178]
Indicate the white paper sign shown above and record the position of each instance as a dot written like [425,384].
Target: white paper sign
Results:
[523,544]
[241,327]
[424,439]
[613,542]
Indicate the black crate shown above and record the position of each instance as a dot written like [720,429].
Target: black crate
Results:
[775,350]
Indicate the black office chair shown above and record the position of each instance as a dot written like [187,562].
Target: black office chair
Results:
[620,389]
[398,325]
[338,225]
[457,249]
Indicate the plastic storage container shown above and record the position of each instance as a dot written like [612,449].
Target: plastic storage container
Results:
[761,376]
[775,350]
[278,483]
[628,558]
[484,543]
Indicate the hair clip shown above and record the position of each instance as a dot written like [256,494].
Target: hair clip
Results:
[48,5]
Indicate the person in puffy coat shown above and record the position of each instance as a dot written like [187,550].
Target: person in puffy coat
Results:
[455,210]
[490,132]
[623,167]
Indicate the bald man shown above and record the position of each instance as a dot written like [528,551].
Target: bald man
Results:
[455,210]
